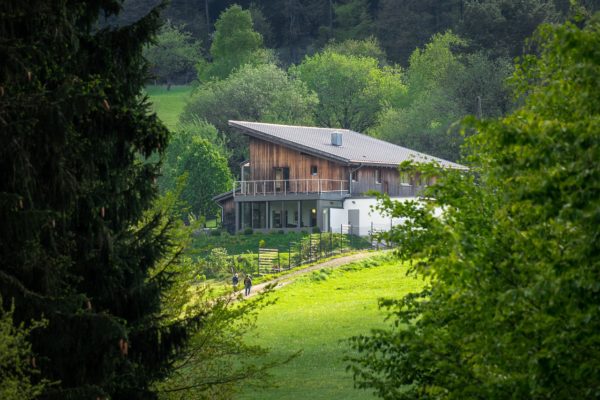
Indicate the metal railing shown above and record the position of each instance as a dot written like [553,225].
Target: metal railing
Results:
[289,187]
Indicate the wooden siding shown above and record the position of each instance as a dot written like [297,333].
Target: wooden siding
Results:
[265,157]
[389,181]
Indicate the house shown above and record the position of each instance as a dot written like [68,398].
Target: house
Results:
[299,177]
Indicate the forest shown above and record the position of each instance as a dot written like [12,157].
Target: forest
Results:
[402,72]
[104,295]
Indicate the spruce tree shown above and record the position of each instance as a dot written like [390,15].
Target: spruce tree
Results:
[75,142]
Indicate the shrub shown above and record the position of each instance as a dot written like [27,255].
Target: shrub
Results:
[215,232]
[262,243]
[316,229]
[248,231]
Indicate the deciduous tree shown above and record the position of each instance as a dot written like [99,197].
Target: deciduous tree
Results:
[195,153]
[235,44]
[262,93]
[351,90]
[510,310]
[174,56]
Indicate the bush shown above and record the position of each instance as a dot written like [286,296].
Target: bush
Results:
[316,229]
[262,243]
[281,232]
[215,232]
[248,231]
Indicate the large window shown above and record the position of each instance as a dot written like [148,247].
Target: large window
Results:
[378,176]
[314,170]
[354,176]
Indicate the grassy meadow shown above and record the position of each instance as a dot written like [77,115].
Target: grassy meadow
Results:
[168,104]
[316,314]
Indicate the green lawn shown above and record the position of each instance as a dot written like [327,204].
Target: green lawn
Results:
[168,104]
[316,314]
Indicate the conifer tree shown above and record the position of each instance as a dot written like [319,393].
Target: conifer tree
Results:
[75,141]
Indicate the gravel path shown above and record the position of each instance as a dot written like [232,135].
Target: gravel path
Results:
[289,277]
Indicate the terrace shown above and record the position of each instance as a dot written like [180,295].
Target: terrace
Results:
[294,188]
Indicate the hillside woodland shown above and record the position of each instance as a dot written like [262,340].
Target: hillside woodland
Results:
[101,294]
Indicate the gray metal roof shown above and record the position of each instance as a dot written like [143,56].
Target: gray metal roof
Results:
[356,148]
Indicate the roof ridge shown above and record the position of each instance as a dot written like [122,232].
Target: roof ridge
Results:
[292,126]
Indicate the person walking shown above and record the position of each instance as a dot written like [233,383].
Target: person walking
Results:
[247,285]
[235,280]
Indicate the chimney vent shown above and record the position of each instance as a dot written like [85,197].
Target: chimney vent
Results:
[336,139]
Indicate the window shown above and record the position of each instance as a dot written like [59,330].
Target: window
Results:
[354,176]
[378,176]
[314,170]
[404,178]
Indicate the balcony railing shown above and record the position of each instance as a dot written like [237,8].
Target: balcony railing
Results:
[289,187]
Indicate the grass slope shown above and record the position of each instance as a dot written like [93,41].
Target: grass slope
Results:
[168,104]
[316,314]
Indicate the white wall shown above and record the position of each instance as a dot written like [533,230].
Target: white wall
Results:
[366,215]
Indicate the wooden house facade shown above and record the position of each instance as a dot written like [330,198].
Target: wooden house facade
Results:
[307,177]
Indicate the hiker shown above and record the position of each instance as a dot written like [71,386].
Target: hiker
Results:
[247,285]
[235,280]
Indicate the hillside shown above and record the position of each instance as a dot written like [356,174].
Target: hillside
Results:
[315,314]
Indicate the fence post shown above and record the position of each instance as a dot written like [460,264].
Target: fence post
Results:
[320,244]
[258,263]
[289,255]
[330,243]
[310,247]
[278,262]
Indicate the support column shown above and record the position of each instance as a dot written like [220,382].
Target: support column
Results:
[268,215]
[242,215]
[299,215]
[237,217]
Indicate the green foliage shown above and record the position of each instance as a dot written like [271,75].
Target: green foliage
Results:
[511,308]
[404,26]
[17,361]
[352,20]
[443,87]
[216,264]
[217,359]
[351,90]
[174,55]
[75,246]
[235,44]
[196,152]
[257,93]
[502,26]
[220,362]
[369,48]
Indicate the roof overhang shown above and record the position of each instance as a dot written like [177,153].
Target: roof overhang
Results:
[223,196]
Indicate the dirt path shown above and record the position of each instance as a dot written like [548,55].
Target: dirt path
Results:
[289,277]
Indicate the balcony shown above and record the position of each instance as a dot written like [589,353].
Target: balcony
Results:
[329,188]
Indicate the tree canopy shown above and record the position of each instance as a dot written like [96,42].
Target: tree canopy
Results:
[235,44]
[194,152]
[261,93]
[510,309]
[351,89]
[174,56]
